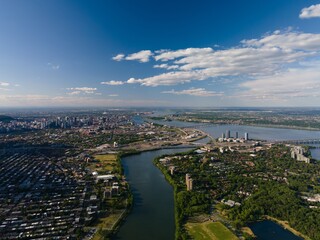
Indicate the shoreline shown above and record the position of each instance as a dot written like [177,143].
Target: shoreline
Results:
[256,125]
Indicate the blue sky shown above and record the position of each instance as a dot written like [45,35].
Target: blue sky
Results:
[159,53]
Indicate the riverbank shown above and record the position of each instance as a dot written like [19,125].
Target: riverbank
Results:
[254,125]
[115,204]
[178,220]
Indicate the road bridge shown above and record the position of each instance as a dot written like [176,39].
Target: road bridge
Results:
[299,142]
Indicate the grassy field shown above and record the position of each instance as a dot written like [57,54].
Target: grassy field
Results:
[106,157]
[107,223]
[107,162]
[209,231]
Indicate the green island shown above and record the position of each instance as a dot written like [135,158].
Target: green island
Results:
[234,187]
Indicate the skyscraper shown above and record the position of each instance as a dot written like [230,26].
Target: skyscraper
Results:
[189,182]
[228,134]
[246,136]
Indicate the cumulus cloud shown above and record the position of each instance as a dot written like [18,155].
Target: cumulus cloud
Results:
[310,12]
[166,55]
[166,66]
[170,78]
[200,92]
[119,57]
[81,90]
[252,59]
[132,80]
[287,41]
[113,83]
[142,56]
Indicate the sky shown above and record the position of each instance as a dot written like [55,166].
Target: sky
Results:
[124,53]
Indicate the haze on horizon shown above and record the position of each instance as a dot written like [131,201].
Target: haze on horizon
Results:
[174,54]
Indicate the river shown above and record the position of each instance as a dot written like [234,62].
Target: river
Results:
[152,215]
[259,133]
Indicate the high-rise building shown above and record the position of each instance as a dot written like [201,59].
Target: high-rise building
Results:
[237,135]
[189,182]
[187,178]
[228,134]
[190,185]
[246,136]
[172,170]
[223,136]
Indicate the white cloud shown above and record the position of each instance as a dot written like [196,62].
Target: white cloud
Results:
[113,95]
[4,84]
[75,93]
[288,41]
[252,59]
[170,78]
[166,66]
[54,66]
[113,83]
[310,12]
[200,92]
[132,80]
[291,84]
[119,57]
[142,56]
[81,90]
[166,55]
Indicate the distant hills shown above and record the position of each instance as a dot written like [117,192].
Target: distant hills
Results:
[4,118]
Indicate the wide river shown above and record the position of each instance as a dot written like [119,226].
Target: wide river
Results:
[152,215]
[261,133]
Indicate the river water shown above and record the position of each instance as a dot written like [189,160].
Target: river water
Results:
[259,133]
[152,215]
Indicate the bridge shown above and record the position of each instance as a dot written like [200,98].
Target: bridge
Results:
[197,125]
[300,141]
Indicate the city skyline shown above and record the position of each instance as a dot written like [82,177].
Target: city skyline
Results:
[125,54]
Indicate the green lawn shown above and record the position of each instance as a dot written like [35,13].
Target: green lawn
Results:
[107,223]
[106,157]
[209,231]
[107,162]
